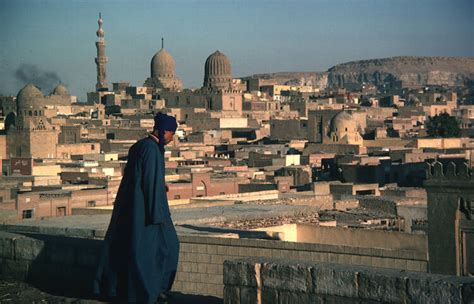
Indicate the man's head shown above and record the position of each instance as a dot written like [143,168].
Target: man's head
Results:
[165,126]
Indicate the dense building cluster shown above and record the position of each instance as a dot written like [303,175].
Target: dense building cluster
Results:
[371,171]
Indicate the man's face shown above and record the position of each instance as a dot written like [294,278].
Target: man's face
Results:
[168,137]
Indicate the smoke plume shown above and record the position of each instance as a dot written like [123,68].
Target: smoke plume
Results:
[30,73]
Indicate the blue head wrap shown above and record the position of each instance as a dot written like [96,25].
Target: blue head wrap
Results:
[164,123]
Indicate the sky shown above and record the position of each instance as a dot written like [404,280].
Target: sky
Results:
[52,41]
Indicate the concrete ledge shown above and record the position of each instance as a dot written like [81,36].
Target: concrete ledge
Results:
[283,281]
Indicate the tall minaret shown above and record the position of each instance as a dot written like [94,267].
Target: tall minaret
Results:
[101,59]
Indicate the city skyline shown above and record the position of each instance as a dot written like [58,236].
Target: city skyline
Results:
[264,37]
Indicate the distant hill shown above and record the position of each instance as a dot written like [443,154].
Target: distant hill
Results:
[412,71]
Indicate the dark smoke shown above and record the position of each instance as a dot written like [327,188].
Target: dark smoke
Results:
[30,73]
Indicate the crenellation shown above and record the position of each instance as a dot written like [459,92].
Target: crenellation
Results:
[437,171]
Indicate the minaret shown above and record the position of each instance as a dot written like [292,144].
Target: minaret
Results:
[101,59]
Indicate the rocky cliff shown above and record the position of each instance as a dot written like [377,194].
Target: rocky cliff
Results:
[412,71]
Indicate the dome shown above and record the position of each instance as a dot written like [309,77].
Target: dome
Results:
[217,71]
[29,97]
[162,65]
[343,122]
[61,90]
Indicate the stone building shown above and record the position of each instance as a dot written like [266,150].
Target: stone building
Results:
[163,72]
[450,219]
[336,127]
[217,93]
[217,72]
[343,129]
[32,136]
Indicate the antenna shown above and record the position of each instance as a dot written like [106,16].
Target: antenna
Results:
[162,42]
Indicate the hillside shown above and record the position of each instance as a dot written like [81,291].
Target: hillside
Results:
[412,71]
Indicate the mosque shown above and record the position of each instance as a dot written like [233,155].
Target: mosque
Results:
[31,133]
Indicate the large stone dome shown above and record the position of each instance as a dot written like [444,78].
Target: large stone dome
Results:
[343,122]
[61,90]
[162,65]
[217,72]
[29,97]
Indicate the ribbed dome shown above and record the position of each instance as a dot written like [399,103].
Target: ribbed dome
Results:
[61,90]
[29,97]
[217,71]
[342,122]
[162,65]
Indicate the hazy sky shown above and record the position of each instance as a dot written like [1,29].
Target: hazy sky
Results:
[55,39]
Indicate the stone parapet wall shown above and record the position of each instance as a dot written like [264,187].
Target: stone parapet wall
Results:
[48,255]
[283,281]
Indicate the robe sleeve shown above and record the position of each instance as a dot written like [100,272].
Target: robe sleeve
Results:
[153,186]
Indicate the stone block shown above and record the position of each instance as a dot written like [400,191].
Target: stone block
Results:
[248,295]
[334,281]
[231,295]
[212,269]
[7,245]
[212,249]
[355,260]
[14,269]
[202,268]
[60,253]
[216,279]
[88,257]
[467,292]
[203,258]
[269,295]
[185,247]
[26,248]
[304,256]
[290,297]
[239,273]
[316,299]
[413,265]
[433,289]
[202,248]
[291,277]
[276,253]
[382,286]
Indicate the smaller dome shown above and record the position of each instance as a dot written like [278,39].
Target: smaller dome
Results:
[162,64]
[342,122]
[61,90]
[28,92]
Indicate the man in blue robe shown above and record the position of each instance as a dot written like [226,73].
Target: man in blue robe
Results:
[140,253]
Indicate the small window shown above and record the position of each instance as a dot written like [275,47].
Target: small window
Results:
[91,204]
[221,193]
[61,211]
[29,213]
[177,196]
[92,147]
